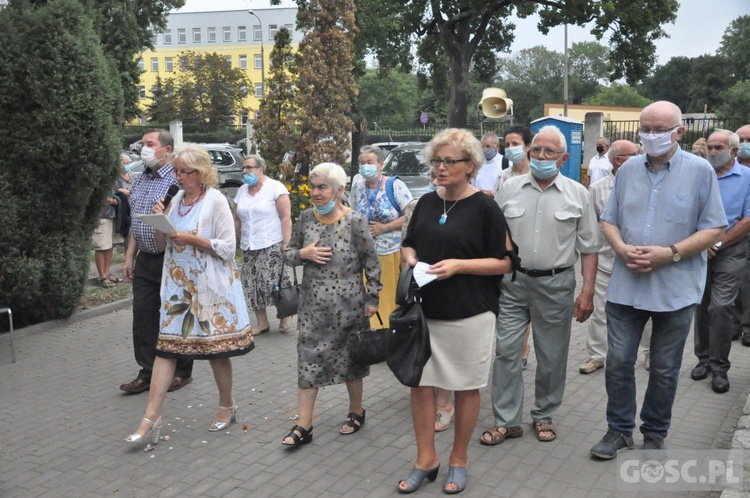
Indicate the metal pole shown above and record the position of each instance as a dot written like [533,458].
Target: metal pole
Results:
[262,53]
[565,75]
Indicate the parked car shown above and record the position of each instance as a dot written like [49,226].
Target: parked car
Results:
[227,159]
[408,163]
[388,146]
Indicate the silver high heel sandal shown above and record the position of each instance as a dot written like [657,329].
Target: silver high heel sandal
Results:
[217,426]
[155,429]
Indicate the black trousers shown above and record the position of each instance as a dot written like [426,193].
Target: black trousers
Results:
[146,306]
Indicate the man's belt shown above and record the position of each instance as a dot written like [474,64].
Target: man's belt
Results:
[543,273]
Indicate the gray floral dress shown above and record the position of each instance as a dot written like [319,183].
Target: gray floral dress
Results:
[333,297]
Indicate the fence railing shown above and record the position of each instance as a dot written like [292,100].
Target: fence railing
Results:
[694,129]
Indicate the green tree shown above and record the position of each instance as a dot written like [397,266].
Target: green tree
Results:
[274,127]
[659,85]
[710,76]
[327,89]
[216,90]
[735,47]
[388,97]
[462,28]
[164,106]
[532,77]
[736,102]
[618,95]
[56,116]
[588,68]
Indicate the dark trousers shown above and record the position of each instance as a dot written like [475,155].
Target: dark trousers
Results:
[714,318]
[146,306]
[742,311]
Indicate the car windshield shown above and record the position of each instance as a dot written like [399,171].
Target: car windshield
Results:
[406,162]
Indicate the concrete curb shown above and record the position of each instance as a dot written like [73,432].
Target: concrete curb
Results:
[78,316]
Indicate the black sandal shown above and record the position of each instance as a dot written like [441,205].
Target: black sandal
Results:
[354,421]
[304,436]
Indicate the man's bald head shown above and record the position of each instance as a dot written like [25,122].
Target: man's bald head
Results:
[663,111]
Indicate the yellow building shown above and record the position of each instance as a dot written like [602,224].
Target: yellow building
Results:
[244,37]
[611,113]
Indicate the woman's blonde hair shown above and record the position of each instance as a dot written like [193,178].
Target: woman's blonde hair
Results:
[196,157]
[332,172]
[463,140]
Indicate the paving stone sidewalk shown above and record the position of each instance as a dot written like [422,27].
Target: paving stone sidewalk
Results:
[64,421]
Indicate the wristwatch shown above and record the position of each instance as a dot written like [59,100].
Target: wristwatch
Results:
[675,255]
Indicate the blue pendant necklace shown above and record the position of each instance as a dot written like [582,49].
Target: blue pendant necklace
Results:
[444,216]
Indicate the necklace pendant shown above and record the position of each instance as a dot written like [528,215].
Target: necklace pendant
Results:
[443,219]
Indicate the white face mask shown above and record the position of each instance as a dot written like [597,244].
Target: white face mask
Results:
[656,144]
[148,156]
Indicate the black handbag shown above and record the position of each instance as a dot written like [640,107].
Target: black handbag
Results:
[371,345]
[409,346]
[286,299]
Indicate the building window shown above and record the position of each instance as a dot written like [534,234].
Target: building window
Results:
[196,35]
[167,37]
[290,28]
[259,89]
[257,115]
[154,39]
[227,33]
[272,30]
[168,64]
[141,92]
[228,58]
[154,64]
[183,63]
[257,32]
[243,61]
[258,61]
[241,33]
[211,35]
[181,35]
[243,118]
[243,90]
[141,65]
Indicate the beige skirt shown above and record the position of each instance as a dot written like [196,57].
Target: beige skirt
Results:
[462,353]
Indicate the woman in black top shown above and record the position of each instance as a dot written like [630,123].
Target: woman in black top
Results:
[462,235]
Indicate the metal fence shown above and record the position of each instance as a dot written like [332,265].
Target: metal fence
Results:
[200,133]
[410,132]
[694,129]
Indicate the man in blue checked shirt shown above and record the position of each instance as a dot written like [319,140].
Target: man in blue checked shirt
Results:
[143,262]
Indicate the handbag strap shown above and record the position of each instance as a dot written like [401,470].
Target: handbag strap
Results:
[281,274]
[406,290]
[377,314]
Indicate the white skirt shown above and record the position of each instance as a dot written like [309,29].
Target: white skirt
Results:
[462,352]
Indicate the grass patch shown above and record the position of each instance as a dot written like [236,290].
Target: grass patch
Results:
[96,296]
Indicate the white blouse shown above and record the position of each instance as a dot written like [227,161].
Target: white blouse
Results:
[259,219]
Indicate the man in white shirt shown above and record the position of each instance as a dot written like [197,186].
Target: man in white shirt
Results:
[599,166]
[492,166]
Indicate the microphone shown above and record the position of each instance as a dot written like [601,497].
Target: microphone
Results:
[173,189]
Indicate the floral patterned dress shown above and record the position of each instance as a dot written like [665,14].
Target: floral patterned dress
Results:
[333,297]
[188,329]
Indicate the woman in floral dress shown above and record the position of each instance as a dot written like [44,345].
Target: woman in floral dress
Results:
[334,244]
[203,313]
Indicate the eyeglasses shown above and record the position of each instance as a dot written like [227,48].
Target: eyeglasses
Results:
[627,155]
[182,172]
[250,168]
[659,132]
[449,163]
[537,151]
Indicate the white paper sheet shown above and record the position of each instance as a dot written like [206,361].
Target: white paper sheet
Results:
[420,274]
[158,221]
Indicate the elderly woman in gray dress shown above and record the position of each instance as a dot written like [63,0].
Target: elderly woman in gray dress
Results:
[334,245]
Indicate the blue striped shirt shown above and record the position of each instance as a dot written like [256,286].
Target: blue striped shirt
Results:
[147,189]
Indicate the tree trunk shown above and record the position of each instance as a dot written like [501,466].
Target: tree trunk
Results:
[460,59]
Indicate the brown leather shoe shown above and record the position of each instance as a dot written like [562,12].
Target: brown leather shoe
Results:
[179,383]
[136,387]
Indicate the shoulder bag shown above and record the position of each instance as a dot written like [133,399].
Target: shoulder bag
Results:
[371,345]
[286,299]
[409,346]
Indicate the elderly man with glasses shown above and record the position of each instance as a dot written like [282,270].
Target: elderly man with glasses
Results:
[552,220]
[664,213]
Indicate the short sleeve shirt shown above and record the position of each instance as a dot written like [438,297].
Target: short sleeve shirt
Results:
[376,206]
[259,218]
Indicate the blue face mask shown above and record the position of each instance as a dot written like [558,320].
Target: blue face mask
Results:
[250,179]
[369,171]
[327,208]
[490,153]
[744,150]
[543,169]
[431,187]
[128,167]
[515,154]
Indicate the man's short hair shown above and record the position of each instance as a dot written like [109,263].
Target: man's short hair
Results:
[492,137]
[606,140]
[732,137]
[556,131]
[165,138]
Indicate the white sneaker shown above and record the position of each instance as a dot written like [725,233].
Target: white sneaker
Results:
[590,366]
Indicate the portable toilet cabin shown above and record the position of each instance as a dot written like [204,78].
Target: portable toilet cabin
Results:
[572,129]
